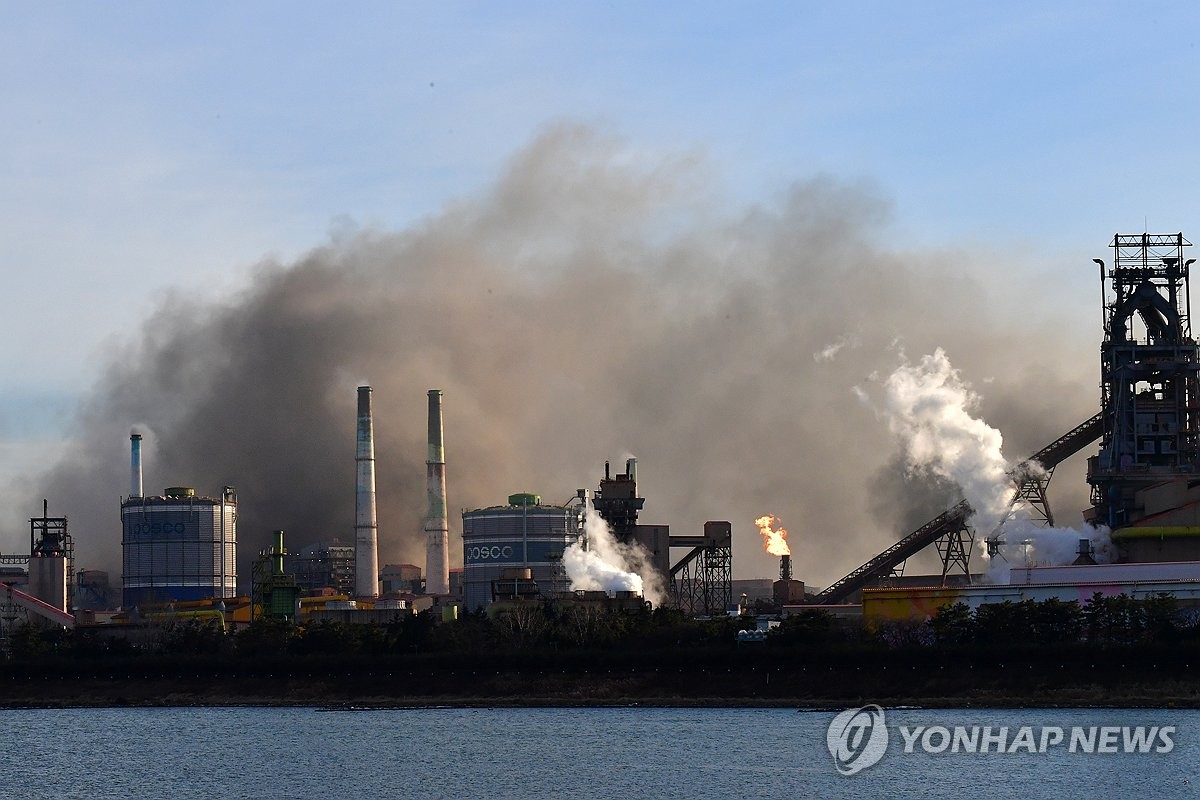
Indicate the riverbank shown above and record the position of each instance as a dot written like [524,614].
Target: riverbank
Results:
[1012,684]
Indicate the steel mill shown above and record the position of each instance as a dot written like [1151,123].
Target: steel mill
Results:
[179,549]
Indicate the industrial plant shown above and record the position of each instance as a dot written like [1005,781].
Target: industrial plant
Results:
[179,548]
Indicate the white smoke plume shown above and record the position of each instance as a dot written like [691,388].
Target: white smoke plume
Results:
[830,351]
[598,562]
[1027,544]
[930,408]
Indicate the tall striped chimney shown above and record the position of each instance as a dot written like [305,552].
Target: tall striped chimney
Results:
[437,530]
[135,464]
[366,546]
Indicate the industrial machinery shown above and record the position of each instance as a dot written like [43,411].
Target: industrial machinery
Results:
[1144,477]
[273,591]
[701,582]
[617,502]
[787,590]
[949,530]
[51,559]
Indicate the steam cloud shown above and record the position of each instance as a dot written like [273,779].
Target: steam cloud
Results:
[608,565]
[596,290]
[929,408]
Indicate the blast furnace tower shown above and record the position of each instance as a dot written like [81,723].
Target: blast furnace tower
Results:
[1150,396]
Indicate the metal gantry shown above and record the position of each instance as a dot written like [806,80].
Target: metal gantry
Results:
[702,581]
[1150,396]
[949,530]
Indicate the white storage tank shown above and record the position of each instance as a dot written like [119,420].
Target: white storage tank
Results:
[522,534]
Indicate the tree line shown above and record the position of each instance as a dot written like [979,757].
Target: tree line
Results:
[564,628]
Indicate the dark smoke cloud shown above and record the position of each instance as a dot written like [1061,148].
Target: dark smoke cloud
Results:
[592,304]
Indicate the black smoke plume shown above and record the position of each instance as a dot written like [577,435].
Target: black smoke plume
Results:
[591,305]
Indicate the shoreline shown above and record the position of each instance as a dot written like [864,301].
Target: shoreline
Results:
[321,698]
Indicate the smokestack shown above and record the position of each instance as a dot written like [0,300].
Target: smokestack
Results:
[135,465]
[437,530]
[366,549]
[785,568]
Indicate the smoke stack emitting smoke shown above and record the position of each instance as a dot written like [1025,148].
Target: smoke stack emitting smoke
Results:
[587,247]
[135,464]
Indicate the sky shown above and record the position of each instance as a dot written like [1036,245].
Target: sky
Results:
[159,158]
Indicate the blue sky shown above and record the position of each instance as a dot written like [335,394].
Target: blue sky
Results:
[154,147]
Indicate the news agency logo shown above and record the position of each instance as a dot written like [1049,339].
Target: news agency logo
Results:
[857,738]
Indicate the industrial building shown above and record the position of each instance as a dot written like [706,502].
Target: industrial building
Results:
[50,559]
[525,535]
[404,578]
[45,594]
[178,546]
[325,564]
[1143,479]
[700,582]
[274,590]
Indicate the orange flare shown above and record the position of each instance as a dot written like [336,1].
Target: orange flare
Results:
[774,537]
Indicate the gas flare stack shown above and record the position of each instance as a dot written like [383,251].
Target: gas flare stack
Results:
[366,525]
[786,590]
[437,530]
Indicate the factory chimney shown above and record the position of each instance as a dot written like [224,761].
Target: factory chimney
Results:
[437,531]
[135,464]
[366,550]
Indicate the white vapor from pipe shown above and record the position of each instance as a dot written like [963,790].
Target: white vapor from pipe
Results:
[929,408]
[598,562]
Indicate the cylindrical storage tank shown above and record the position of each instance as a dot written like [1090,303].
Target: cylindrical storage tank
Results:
[502,538]
[48,579]
[178,547]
